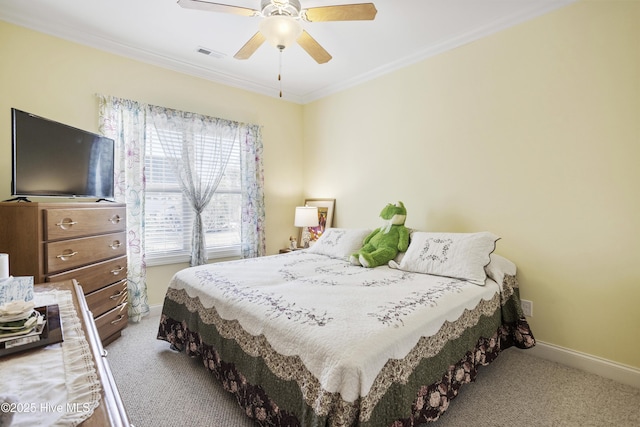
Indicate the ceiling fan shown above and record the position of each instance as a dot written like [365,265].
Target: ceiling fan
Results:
[281,22]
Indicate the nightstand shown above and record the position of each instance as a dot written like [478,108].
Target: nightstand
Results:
[287,250]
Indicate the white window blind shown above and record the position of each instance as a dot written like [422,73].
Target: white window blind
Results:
[168,215]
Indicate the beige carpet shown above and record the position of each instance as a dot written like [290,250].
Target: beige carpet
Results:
[161,387]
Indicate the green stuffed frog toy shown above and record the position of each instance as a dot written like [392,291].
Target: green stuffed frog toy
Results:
[384,243]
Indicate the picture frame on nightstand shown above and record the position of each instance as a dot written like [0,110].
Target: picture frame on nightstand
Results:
[325,217]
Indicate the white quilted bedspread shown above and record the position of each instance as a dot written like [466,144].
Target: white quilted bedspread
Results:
[343,321]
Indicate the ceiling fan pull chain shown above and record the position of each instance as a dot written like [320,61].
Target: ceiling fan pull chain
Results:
[280,72]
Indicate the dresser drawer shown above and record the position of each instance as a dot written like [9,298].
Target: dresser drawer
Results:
[95,276]
[68,254]
[107,298]
[72,223]
[112,321]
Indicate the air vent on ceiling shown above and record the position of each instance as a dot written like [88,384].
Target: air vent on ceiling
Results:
[210,52]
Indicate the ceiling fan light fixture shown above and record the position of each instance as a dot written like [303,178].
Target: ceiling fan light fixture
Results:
[281,31]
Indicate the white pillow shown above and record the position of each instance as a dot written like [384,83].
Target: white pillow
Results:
[499,267]
[458,255]
[339,242]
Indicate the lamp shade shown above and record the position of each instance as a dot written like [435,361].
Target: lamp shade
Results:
[280,30]
[306,216]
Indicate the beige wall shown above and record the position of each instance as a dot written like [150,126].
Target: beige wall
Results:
[57,79]
[532,133]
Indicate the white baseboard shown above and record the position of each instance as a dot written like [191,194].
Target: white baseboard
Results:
[605,368]
[155,310]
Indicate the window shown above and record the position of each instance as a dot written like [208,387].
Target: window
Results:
[169,217]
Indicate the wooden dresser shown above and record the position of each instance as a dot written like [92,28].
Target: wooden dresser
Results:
[55,242]
[110,411]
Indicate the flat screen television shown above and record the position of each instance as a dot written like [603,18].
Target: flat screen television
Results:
[51,159]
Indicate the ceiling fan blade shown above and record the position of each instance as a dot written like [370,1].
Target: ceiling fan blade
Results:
[250,47]
[313,48]
[346,12]
[217,7]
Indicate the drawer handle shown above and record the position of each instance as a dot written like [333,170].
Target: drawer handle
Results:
[115,219]
[113,322]
[67,255]
[115,244]
[116,296]
[66,223]
[117,271]
[105,353]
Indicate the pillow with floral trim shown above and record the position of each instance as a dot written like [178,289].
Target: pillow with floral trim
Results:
[339,242]
[500,267]
[458,255]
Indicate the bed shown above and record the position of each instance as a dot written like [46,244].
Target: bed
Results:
[308,339]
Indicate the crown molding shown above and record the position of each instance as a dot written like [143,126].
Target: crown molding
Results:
[432,50]
[117,48]
[142,55]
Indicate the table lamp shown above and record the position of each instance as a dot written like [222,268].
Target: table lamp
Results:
[306,216]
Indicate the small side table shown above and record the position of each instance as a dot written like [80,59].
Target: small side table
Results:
[287,250]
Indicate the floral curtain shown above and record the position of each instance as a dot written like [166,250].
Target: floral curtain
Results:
[253,212]
[128,123]
[198,148]
[125,121]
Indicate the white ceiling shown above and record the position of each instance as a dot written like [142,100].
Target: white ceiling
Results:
[162,33]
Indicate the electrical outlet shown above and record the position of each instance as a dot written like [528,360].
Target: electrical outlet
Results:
[527,307]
